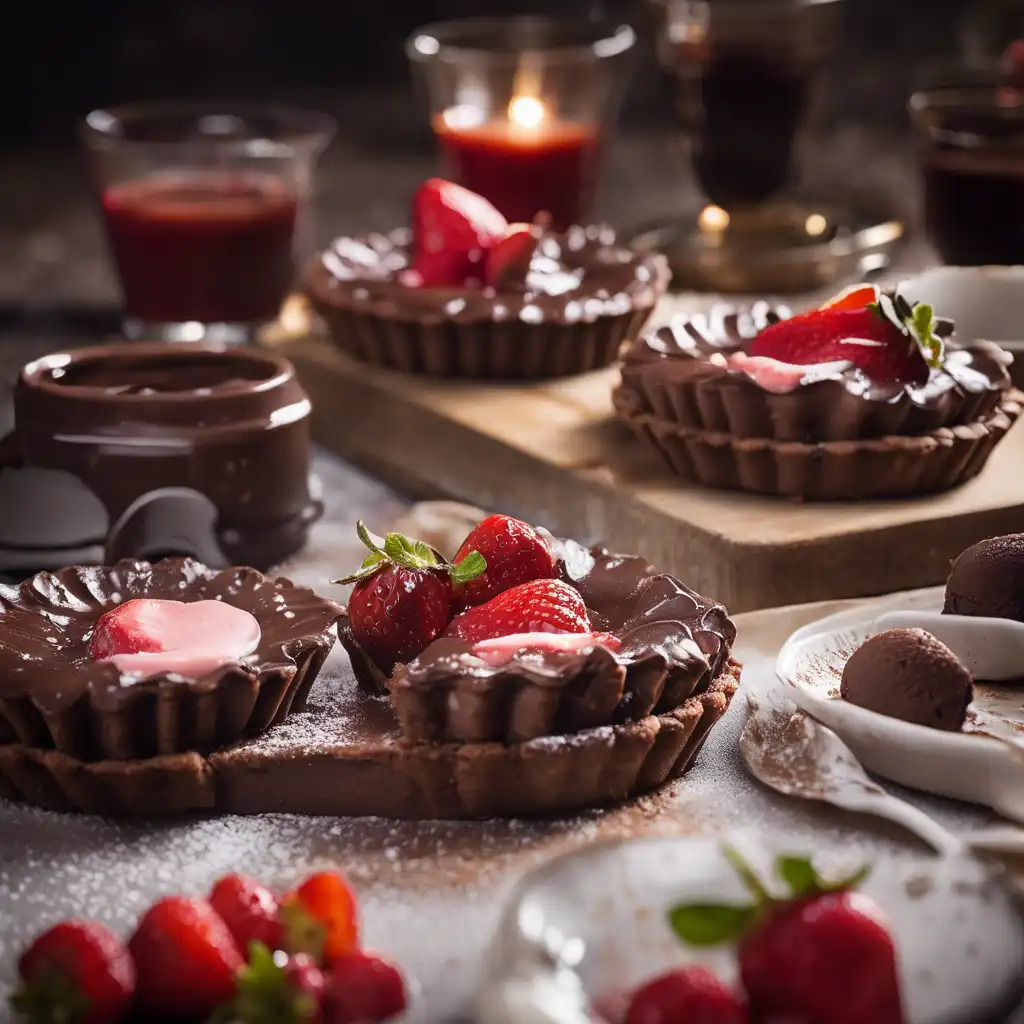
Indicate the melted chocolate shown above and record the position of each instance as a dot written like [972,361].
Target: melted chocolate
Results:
[162,449]
[682,374]
[574,278]
[52,694]
[674,643]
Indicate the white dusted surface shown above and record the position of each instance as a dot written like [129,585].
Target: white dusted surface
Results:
[432,892]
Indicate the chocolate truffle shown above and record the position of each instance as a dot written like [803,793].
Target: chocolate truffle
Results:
[988,580]
[910,675]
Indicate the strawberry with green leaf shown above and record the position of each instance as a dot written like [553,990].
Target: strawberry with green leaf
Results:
[275,988]
[402,599]
[821,955]
[888,340]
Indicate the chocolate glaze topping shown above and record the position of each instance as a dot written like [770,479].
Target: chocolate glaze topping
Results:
[52,694]
[682,374]
[674,643]
[577,277]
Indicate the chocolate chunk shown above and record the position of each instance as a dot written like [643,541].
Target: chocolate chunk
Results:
[988,580]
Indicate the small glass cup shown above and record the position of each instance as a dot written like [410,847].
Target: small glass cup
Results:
[971,145]
[521,107]
[206,212]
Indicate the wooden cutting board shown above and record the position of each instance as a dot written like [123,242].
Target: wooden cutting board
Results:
[554,454]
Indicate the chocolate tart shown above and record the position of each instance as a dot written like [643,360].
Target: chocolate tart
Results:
[54,696]
[162,449]
[584,296]
[687,390]
[345,756]
[675,644]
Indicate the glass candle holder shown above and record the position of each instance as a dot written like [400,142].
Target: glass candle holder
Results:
[521,107]
[206,212]
[971,145]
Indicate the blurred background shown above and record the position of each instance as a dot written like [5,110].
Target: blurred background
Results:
[347,58]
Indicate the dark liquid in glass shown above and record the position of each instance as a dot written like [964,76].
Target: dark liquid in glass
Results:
[209,247]
[741,110]
[974,190]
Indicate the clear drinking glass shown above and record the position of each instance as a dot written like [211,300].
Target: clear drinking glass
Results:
[521,107]
[206,211]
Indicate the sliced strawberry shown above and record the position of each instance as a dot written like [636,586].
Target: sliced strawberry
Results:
[540,606]
[402,596]
[124,630]
[501,649]
[186,959]
[857,296]
[452,230]
[321,918]
[689,995]
[891,341]
[249,909]
[363,989]
[514,552]
[77,972]
[508,261]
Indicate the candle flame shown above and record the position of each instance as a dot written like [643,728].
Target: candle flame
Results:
[526,112]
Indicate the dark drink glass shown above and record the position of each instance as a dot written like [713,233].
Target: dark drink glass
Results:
[521,107]
[205,212]
[742,73]
[971,143]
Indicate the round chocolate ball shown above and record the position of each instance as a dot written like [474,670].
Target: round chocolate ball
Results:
[988,580]
[910,675]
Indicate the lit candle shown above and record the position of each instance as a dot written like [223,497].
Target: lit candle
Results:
[525,162]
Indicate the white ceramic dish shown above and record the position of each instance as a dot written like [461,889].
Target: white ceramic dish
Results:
[587,928]
[986,303]
[965,766]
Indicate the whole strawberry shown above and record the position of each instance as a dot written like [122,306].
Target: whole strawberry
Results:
[540,606]
[821,956]
[75,973]
[249,909]
[186,959]
[402,598]
[321,918]
[363,989]
[689,995]
[514,552]
[274,988]
[889,340]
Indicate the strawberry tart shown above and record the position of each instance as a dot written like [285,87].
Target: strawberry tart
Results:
[137,660]
[866,397]
[519,638]
[463,293]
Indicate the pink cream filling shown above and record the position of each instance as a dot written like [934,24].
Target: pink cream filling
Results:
[193,638]
[501,649]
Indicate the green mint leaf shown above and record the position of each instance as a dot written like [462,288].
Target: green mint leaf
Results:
[373,542]
[799,875]
[411,554]
[710,924]
[473,565]
[753,884]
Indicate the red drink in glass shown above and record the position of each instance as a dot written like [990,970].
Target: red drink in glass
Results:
[206,246]
[553,168]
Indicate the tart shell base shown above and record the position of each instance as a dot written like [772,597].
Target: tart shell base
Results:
[369,770]
[885,467]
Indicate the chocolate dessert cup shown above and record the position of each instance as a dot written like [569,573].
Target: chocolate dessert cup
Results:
[344,756]
[572,314]
[161,449]
[54,696]
[675,645]
[687,391]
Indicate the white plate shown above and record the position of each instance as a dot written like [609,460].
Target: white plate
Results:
[586,929]
[985,303]
[964,766]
